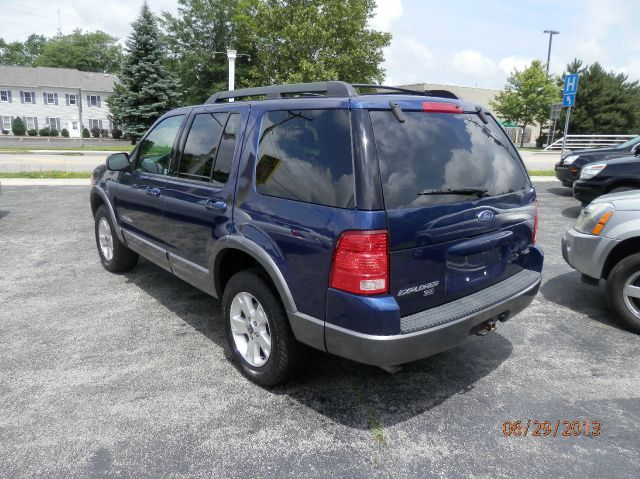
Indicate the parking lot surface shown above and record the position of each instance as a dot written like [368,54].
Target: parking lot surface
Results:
[105,375]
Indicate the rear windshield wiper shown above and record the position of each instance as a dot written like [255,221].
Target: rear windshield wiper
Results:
[480,192]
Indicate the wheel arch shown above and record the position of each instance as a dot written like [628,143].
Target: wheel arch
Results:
[622,250]
[233,254]
[99,197]
[623,183]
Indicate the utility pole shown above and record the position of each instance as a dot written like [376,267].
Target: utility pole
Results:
[551,34]
[80,118]
[231,56]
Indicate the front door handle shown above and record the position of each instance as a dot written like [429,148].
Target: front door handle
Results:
[154,192]
[216,205]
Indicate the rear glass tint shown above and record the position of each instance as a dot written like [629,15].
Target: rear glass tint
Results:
[440,151]
[305,155]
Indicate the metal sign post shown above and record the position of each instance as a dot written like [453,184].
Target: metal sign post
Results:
[568,100]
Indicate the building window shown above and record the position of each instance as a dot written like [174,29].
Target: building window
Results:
[95,124]
[30,122]
[50,98]
[29,97]
[53,122]
[94,100]
[4,96]
[74,125]
[73,100]
[6,123]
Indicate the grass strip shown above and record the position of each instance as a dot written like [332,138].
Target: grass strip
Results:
[542,173]
[53,174]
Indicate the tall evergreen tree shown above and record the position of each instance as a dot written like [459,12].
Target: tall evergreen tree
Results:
[146,89]
[606,102]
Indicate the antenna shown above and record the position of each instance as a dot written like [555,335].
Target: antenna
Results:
[59,24]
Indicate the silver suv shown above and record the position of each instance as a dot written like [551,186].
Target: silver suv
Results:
[604,244]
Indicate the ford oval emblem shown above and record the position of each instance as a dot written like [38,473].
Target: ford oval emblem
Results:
[485,215]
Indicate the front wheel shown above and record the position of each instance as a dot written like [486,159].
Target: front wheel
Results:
[114,255]
[623,291]
[258,331]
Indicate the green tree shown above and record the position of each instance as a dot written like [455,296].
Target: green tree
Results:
[200,28]
[146,89]
[527,97]
[17,126]
[22,54]
[89,52]
[606,102]
[310,40]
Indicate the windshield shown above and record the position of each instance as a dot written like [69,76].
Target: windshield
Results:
[453,155]
[629,144]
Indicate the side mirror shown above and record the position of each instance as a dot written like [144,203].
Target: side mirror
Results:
[118,162]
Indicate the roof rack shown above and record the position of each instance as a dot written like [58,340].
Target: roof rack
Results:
[328,88]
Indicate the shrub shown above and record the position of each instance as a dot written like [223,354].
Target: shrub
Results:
[95,132]
[5,132]
[17,126]
[65,133]
[85,133]
[104,133]
[116,133]
[45,132]
[53,132]
[32,132]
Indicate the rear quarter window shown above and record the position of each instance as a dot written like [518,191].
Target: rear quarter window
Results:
[440,151]
[305,155]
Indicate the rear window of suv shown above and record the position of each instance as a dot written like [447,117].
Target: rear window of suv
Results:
[441,151]
[305,155]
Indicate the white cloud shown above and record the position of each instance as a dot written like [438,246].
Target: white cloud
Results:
[508,64]
[385,13]
[472,62]
[407,61]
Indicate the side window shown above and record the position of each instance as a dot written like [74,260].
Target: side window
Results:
[306,156]
[202,145]
[154,153]
[227,149]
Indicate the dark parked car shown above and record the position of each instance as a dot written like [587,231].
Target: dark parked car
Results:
[383,228]
[569,167]
[608,176]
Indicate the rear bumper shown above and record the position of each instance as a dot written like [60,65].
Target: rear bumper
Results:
[403,348]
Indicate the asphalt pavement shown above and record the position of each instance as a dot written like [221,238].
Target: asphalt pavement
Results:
[105,375]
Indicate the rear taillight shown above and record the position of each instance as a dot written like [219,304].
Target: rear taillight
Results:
[535,225]
[441,107]
[361,262]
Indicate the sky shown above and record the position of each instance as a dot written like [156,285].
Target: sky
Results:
[454,42]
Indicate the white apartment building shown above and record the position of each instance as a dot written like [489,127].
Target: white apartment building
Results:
[51,97]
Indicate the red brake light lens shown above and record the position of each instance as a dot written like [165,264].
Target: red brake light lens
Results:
[361,262]
[535,225]
[441,107]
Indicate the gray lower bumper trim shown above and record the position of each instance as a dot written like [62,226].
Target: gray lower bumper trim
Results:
[471,304]
[404,348]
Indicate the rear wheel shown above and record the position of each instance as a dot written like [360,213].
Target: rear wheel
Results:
[114,255]
[623,291]
[258,331]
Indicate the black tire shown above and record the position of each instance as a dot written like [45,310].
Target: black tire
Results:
[622,272]
[287,355]
[123,258]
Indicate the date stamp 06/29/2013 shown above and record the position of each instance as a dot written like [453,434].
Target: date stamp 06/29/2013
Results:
[557,428]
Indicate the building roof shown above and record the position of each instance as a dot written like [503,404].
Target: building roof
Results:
[55,77]
[480,96]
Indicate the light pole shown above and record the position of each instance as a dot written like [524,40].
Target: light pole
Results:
[551,34]
[231,56]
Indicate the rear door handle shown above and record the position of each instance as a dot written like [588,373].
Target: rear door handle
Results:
[216,205]
[154,192]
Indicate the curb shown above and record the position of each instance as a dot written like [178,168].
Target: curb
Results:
[45,181]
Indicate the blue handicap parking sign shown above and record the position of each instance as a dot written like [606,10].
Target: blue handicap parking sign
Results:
[568,100]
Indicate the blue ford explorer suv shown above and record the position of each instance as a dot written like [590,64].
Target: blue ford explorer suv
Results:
[383,228]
